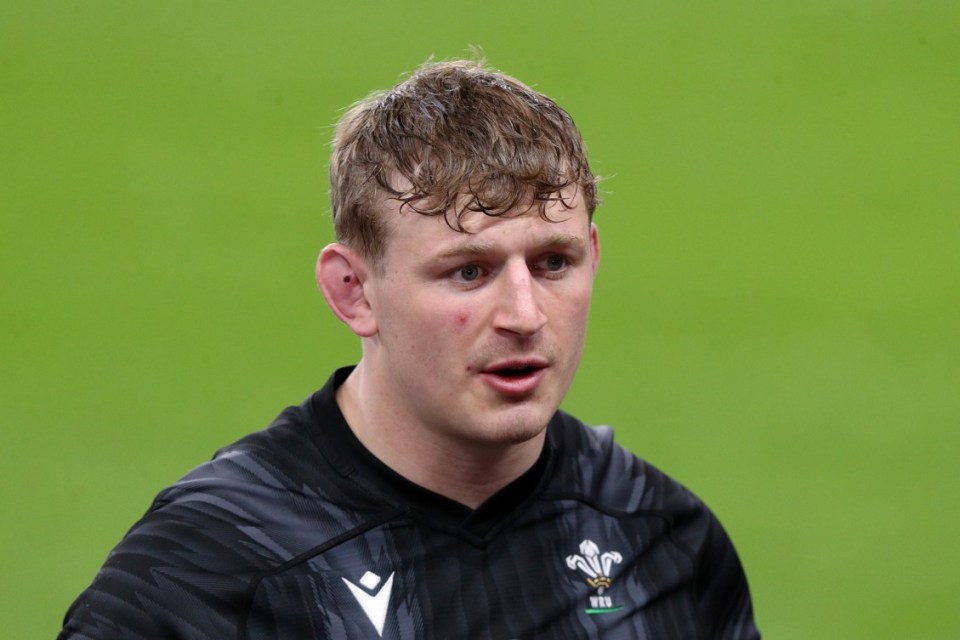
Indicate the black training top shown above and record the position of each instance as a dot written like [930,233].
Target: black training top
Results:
[299,532]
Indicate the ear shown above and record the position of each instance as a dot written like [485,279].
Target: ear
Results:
[594,246]
[341,273]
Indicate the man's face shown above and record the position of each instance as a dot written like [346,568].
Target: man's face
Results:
[479,334]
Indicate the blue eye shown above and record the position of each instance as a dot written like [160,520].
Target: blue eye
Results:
[469,273]
[555,263]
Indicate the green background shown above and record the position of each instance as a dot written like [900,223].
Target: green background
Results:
[775,321]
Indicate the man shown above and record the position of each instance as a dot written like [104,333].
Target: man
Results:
[435,490]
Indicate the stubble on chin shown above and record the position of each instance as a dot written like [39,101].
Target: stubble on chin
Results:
[514,426]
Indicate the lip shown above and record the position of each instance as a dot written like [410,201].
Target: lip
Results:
[515,385]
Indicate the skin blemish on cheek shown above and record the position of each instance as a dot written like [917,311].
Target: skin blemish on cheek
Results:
[347,278]
[462,319]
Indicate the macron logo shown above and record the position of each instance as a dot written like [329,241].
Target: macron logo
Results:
[373,603]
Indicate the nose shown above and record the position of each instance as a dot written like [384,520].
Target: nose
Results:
[518,309]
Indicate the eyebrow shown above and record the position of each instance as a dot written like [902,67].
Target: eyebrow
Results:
[559,240]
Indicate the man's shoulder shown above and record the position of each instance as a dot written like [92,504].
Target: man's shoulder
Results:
[272,484]
[206,540]
[595,465]
[653,510]
[215,506]
[280,457]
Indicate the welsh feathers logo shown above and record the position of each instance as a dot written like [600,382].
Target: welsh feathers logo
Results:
[596,567]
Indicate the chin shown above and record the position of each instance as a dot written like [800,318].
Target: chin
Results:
[516,427]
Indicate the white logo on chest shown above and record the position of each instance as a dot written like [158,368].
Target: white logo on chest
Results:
[373,603]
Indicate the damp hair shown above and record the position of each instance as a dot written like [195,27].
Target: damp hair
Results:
[453,137]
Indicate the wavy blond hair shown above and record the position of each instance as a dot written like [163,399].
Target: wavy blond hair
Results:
[453,137]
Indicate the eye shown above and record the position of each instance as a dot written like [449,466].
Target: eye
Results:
[555,263]
[554,266]
[468,273]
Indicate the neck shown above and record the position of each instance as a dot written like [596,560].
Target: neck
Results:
[465,471]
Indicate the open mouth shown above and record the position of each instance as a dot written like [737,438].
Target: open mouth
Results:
[515,372]
[516,379]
